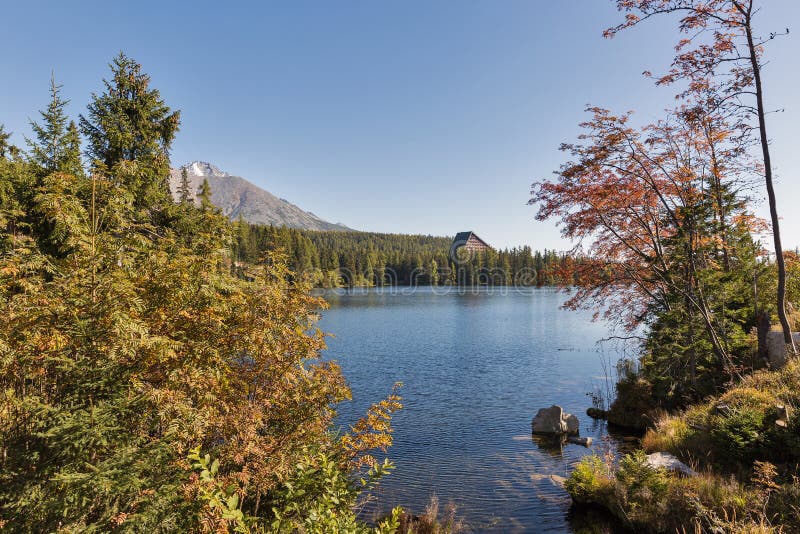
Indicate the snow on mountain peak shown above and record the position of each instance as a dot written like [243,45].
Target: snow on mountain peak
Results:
[204,168]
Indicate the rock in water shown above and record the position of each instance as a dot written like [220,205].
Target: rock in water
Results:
[573,425]
[597,413]
[553,420]
[586,442]
[665,460]
[549,421]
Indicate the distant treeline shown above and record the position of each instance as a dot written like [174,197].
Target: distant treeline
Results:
[336,259]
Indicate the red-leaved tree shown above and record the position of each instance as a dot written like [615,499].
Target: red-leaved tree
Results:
[720,58]
[656,207]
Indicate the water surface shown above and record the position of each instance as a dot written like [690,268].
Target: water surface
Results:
[475,368]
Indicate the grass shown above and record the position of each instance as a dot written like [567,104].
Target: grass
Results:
[749,465]
[737,428]
[654,500]
[433,521]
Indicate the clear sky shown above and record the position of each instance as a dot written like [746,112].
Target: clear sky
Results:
[393,116]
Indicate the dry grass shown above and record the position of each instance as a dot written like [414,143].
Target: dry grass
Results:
[657,501]
[430,522]
[735,431]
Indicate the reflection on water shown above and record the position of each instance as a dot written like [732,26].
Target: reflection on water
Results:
[475,367]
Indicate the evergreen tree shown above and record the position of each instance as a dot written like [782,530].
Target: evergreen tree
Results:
[184,189]
[71,162]
[130,122]
[204,194]
[5,146]
[50,146]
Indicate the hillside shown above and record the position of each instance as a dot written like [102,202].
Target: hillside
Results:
[237,197]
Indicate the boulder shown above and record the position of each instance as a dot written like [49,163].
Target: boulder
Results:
[553,420]
[664,460]
[573,425]
[783,416]
[776,348]
[549,421]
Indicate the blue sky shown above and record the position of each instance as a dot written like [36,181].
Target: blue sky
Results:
[413,117]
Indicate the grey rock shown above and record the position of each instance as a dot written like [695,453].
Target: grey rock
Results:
[553,420]
[573,425]
[665,460]
[549,421]
[776,348]
[783,416]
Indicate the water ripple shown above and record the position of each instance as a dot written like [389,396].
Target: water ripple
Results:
[475,369]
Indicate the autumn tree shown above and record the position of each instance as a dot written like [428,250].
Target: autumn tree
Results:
[659,210]
[145,386]
[721,60]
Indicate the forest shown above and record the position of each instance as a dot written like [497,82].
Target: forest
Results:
[349,259]
[145,386]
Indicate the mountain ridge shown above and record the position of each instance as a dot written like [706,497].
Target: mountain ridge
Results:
[237,197]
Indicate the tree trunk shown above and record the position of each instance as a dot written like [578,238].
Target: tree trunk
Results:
[773,209]
[762,328]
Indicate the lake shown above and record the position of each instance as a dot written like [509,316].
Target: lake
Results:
[475,368]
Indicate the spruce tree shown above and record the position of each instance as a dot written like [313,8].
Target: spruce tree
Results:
[129,122]
[49,148]
[204,194]
[71,161]
[4,144]
[184,190]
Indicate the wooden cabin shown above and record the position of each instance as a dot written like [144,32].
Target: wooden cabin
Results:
[470,241]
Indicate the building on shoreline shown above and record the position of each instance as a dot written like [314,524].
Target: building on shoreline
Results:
[470,241]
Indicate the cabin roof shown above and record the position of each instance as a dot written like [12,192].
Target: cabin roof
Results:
[463,237]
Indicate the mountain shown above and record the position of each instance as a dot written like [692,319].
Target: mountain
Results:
[237,197]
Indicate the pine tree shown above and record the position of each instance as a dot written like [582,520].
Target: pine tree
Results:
[5,146]
[184,189]
[130,122]
[204,194]
[49,148]
[71,162]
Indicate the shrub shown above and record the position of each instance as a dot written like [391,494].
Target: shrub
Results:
[319,497]
[654,500]
[591,482]
[738,437]
[634,405]
[639,486]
